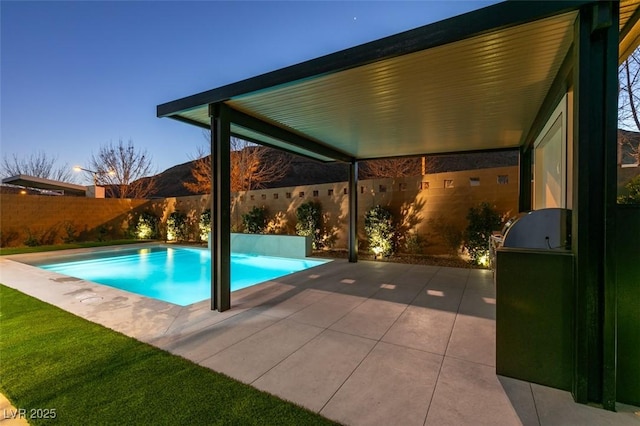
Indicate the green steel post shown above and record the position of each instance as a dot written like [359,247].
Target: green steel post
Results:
[595,79]
[221,172]
[353,211]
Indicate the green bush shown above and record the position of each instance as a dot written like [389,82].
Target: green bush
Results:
[7,237]
[71,233]
[414,243]
[205,225]
[147,228]
[633,189]
[483,220]
[102,232]
[177,226]
[453,237]
[380,230]
[277,225]
[255,221]
[32,240]
[309,219]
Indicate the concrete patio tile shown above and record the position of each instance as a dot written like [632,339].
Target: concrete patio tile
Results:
[256,295]
[469,394]
[206,342]
[422,328]
[478,304]
[397,293]
[327,310]
[420,273]
[445,299]
[449,278]
[392,386]
[473,339]
[289,304]
[556,407]
[482,280]
[192,319]
[453,272]
[252,357]
[312,374]
[328,271]
[371,319]
[521,397]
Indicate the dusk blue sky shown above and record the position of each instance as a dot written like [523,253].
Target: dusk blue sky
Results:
[77,75]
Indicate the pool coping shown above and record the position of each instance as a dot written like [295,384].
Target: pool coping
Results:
[40,259]
[140,317]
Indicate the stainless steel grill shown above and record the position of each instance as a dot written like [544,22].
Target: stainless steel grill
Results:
[544,229]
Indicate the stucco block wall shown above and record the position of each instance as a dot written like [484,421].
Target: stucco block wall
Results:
[424,204]
[47,217]
[416,208]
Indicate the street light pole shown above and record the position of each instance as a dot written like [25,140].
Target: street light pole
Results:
[93,173]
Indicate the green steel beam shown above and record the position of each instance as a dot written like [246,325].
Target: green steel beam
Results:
[221,186]
[260,126]
[559,87]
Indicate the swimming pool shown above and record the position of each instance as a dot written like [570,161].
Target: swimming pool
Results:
[177,275]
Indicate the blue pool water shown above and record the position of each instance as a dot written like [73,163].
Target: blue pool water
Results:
[176,275]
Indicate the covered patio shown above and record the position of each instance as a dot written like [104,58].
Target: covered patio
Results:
[512,75]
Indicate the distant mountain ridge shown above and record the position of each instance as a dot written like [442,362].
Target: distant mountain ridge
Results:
[304,171]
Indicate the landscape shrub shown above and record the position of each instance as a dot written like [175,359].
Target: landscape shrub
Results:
[32,239]
[483,220]
[7,237]
[380,230]
[309,220]
[255,221]
[277,224]
[71,232]
[177,226]
[633,192]
[102,232]
[205,225]
[147,228]
[453,237]
[414,242]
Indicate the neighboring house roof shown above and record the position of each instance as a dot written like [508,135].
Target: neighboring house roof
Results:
[45,184]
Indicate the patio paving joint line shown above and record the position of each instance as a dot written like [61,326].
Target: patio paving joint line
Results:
[290,355]
[407,306]
[348,377]
[433,393]
[239,341]
[535,405]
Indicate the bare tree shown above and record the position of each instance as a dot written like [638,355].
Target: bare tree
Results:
[38,164]
[201,173]
[124,171]
[397,167]
[629,92]
[252,167]
[629,105]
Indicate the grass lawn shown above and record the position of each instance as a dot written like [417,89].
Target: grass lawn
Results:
[38,249]
[91,375]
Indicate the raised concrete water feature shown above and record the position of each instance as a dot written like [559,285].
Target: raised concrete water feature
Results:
[293,246]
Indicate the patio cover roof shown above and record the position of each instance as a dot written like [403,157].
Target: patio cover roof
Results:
[468,83]
[45,184]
